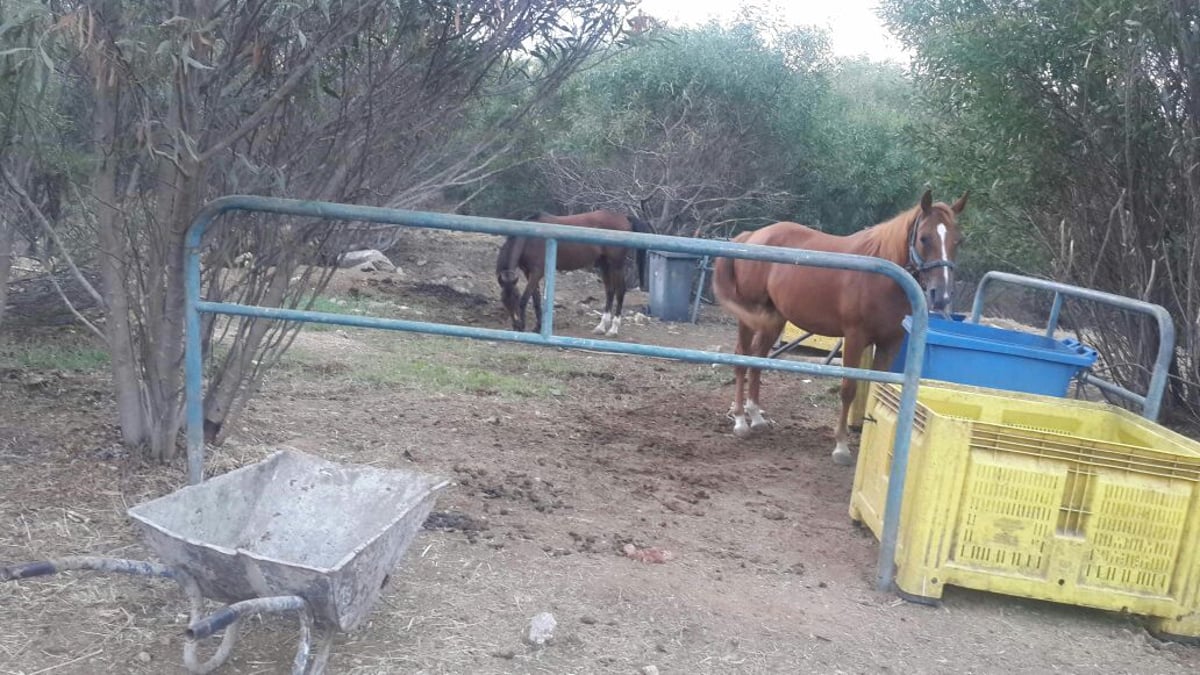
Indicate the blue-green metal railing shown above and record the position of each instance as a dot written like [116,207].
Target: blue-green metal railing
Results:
[552,233]
[1151,403]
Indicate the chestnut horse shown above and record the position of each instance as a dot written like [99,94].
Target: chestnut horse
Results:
[528,254]
[862,307]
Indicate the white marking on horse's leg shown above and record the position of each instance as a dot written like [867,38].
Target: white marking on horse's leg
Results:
[740,428]
[757,421]
[616,326]
[941,230]
[841,455]
[605,322]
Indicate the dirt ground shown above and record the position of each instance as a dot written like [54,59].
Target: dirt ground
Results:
[559,459]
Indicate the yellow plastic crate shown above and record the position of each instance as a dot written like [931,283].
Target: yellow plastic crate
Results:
[821,343]
[1039,497]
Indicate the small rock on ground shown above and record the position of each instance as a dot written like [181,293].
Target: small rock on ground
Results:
[541,629]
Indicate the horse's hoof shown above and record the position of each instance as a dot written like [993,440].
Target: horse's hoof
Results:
[842,457]
[610,333]
[759,425]
[599,330]
[740,428]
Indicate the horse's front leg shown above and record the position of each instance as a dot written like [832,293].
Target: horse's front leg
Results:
[885,354]
[737,410]
[533,292]
[605,325]
[763,341]
[852,349]
[616,281]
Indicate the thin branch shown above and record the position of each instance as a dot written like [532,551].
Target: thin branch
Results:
[37,214]
[75,312]
[289,85]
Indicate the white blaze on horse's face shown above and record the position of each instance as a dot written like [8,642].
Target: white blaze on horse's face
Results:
[941,230]
[939,291]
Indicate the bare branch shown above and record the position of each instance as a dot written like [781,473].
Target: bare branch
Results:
[36,213]
[75,312]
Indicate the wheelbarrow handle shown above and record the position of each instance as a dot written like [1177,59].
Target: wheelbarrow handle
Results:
[44,568]
[226,616]
[213,623]
[230,616]
[41,568]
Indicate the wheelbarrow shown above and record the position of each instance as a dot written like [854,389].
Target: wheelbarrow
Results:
[292,533]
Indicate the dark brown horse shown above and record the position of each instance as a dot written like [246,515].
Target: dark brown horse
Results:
[528,254]
[864,308]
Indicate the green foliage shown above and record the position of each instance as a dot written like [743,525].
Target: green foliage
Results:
[862,168]
[732,67]
[720,128]
[440,365]
[1021,98]
[33,123]
[68,354]
[688,128]
[1079,126]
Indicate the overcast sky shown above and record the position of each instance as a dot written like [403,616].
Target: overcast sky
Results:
[853,27]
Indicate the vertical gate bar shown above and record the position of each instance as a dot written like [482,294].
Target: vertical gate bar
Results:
[1055,310]
[192,362]
[548,301]
[914,362]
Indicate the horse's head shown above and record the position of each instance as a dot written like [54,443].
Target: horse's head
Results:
[932,244]
[507,275]
[511,297]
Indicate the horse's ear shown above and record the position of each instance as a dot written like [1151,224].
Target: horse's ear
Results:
[961,204]
[926,201]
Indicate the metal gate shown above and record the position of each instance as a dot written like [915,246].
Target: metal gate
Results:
[552,234]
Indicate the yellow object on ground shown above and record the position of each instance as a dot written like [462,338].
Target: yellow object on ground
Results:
[818,342]
[1039,497]
[826,344]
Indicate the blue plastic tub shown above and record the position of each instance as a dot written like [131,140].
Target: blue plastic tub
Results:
[969,353]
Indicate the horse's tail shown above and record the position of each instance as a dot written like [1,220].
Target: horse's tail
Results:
[640,225]
[724,284]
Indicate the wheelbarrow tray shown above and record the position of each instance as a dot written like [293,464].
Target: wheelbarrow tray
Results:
[292,524]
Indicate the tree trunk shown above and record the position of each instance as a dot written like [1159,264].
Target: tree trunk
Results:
[113,257]
[7,232]
[179,196]
[181,182]
[240,363]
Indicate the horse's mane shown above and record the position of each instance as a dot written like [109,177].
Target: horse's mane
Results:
[890,238]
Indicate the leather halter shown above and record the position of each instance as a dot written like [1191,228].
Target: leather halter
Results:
[916,264]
